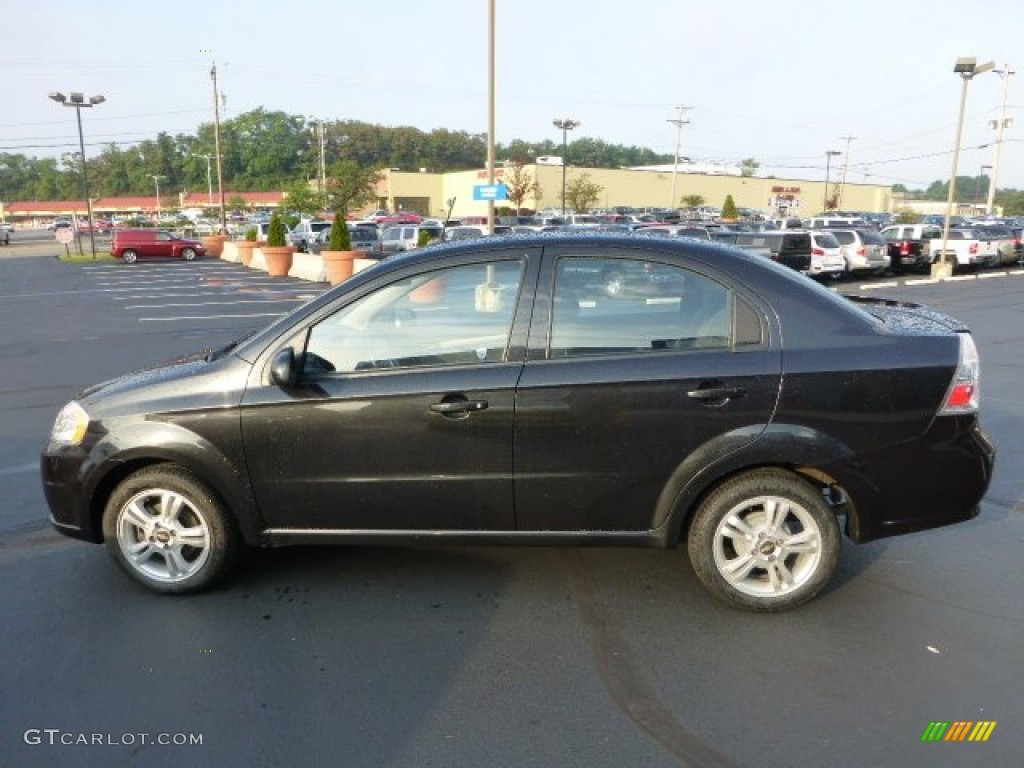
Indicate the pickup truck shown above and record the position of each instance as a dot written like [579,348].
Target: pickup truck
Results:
[970,247]
[305,233]
[909,245]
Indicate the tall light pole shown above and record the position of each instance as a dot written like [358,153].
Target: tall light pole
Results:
[156,180]
[1004,122]
[209,179]
[565,124]
[678,122]
[78,102]
[321,178]
[829,154]
[967,67]
[846,166]
[981,176]
[216,141]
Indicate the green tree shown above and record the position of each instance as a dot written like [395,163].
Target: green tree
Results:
[341,240]
[692,201]
[301,198]
[749,166]
[906,216]
[729,208]
[350,186]
[275,231]
[581,193]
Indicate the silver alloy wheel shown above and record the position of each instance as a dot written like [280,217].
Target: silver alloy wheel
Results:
[767,546]
[188,254]
[129,256]
[163,536]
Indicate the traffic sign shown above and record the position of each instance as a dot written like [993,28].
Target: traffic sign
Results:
[490,192]
[65,235]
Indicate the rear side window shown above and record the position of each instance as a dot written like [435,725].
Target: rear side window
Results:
[872,238]
[844,238]
[626,306]
[825,240]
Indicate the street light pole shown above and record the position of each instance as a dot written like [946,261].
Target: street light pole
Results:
[1004,122]
[678,122]
[78,102]
[216,141]
[829,154]
[967,67]
[977,195]
[156,179]
[209,179]
[565,125]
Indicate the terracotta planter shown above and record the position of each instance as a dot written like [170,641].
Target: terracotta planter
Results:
[339,264]
[214,244]
[279,259]
[431,291]
[245,248]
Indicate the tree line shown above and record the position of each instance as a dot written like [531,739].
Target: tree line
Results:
[270,151]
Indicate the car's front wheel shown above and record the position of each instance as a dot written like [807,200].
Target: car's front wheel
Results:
[169,530]
[188,254]
[765,540]
[130,256]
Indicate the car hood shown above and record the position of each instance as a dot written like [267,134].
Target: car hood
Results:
[909,318]
[194,381]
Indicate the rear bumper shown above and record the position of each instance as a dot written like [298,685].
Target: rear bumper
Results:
[942,482]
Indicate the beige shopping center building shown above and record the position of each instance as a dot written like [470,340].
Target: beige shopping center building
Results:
[426,193]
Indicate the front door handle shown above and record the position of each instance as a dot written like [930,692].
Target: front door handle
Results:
[712,394]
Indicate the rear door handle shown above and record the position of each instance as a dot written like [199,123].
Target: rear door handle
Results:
[459,407]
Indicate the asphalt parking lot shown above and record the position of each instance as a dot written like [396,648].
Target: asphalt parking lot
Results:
[479,656]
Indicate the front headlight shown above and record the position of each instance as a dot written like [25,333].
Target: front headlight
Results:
[70,425]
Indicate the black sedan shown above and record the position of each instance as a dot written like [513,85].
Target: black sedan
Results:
[495,392]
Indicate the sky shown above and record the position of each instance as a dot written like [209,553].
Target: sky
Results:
[783,83]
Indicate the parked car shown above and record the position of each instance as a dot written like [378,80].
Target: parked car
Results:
[743,413]
[134,244]
[305,233]
[59,222]
[473,231]
[1007,242]
[362,238]
[673,230]
[789,247]
[907,245]
[401,238]
[99,225]
[826,256]
[864,250]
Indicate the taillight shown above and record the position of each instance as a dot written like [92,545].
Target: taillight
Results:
[904,248]
[817,252]
[973,249]
[963,394]
[861,250]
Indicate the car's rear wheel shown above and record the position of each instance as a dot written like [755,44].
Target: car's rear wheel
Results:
[130,256]
[169,531]
[188,254]
[766,540]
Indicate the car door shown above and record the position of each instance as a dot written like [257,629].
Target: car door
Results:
[403,416]
[629,394]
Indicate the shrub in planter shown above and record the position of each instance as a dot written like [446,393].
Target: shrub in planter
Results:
[277,253]
[341,240]
[339,256]
[250,235]
[275,232]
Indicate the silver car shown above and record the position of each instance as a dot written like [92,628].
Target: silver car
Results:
[864,250]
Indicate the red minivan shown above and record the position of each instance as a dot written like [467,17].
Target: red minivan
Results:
[134,244]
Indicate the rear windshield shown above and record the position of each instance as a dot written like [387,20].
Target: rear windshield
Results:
[872,238]
[363,233]
[319,226]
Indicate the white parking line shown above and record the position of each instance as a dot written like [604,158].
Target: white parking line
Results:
[214,303]
[208,317]
[302,294]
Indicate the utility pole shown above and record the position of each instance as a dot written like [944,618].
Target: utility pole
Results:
[846,165]
[1003,122]
[216,141]
[678,122]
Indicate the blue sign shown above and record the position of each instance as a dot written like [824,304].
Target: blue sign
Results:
[490,192]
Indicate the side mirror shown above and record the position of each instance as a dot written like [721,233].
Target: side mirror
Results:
[283,372]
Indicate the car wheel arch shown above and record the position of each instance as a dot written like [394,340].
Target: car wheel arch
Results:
[212,467]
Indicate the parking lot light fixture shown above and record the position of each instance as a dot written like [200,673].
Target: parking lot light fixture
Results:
[77,101]
[967,67]
[565,125]
[156,180]
[829,154]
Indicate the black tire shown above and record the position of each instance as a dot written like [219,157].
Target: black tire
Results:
[146,521]
[188,254]
[781,530]
[130,256]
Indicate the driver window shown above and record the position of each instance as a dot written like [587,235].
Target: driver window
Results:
[454,316]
